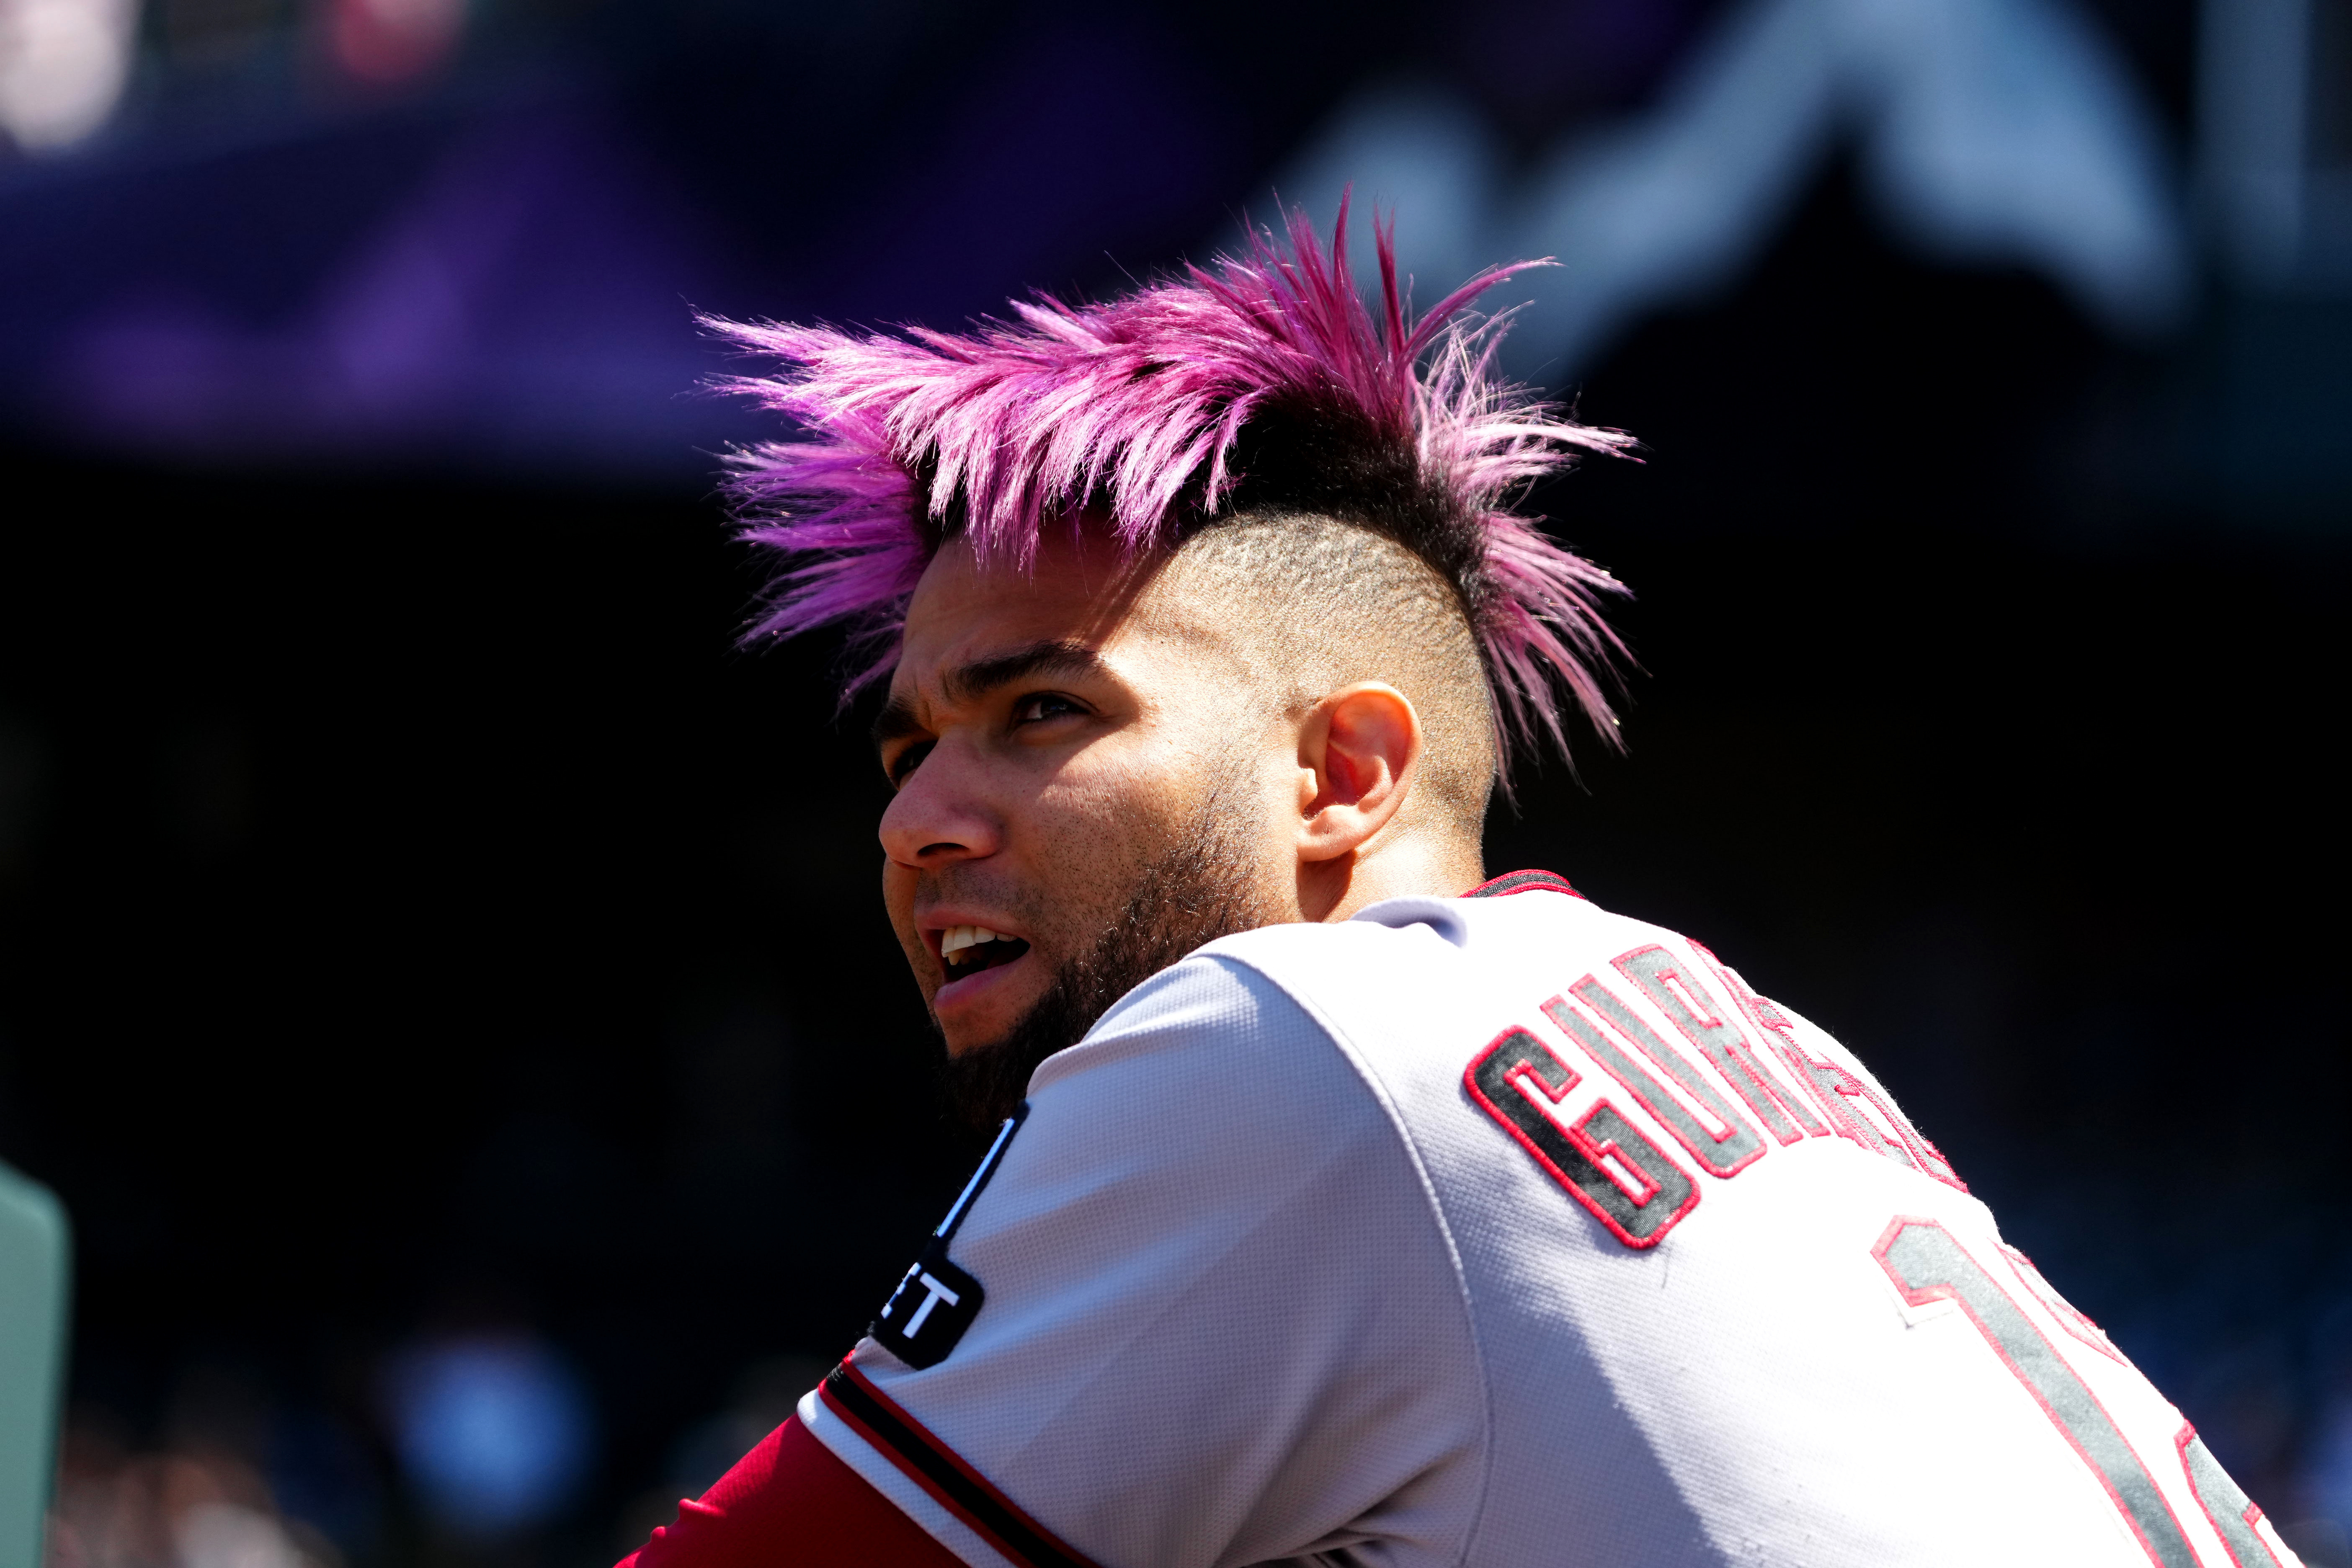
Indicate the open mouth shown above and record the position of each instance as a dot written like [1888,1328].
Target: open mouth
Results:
[968,950]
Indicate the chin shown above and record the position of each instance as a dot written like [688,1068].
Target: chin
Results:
[973,1030]
[978,1011]
[962,1045]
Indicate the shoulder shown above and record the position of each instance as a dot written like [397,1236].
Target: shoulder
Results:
[1211,1138]
[1266,1054]
[1206,1059]
[1204,1269]
[1401,963]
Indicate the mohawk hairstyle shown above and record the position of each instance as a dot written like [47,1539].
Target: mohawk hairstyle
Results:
[1263,382]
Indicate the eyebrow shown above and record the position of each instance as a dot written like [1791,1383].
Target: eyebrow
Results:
[972,681]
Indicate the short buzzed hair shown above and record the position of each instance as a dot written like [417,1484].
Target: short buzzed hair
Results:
[1264,388]
[1328,603]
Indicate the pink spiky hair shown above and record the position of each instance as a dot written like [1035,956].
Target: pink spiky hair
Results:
[1163,412]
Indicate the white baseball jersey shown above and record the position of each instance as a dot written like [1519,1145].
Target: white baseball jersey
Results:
[1497,1230]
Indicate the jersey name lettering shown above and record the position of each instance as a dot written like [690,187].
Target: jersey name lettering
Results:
[1727,1147]
[1602,1159]
[1740,1058]
[1855,1111]
[1676,992]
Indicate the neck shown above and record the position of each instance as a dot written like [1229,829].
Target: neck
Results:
[1432,865]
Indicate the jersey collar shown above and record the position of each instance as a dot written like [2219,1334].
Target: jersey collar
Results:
[1510,882]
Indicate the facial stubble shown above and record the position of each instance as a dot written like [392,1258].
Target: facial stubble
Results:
[1201,887]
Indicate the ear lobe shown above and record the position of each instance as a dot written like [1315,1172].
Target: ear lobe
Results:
[1360,745]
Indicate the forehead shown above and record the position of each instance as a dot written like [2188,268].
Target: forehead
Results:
[1077,590]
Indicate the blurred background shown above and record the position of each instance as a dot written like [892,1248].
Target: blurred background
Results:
[446,982]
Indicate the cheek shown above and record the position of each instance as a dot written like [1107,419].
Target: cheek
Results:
[1076,827]
[898,884]
[1093,829]
[1124,795]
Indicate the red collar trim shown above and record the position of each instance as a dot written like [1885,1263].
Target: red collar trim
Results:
[1510,882]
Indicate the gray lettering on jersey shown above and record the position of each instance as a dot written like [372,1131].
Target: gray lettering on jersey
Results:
[1839,1092]
[1671,983]
[1504,1079]
[1835,1080]
[2226,1504]
[1926,1265]
[1725,1155]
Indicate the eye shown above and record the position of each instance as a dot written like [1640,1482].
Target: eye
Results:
[907,762]
[1039,706]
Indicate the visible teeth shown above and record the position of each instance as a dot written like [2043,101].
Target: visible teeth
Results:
[955,939]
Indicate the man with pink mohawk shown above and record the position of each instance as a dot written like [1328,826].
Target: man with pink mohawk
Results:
[1348,1205]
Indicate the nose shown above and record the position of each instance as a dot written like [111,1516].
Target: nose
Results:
[942,813]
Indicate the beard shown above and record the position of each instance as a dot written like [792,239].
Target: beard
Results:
[1200,889]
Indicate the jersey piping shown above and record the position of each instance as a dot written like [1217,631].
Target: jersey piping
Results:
[1723,1374]
[940,1471]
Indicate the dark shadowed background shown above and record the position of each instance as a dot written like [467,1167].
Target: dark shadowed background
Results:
[446,979]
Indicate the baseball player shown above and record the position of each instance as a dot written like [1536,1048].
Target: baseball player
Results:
[1350,1205]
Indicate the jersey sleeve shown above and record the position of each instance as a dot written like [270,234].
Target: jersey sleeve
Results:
[790,1500]
[1219,1320]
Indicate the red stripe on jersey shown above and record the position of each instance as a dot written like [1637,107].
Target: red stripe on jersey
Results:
[1510,882]
[790,1500]
[940,1471]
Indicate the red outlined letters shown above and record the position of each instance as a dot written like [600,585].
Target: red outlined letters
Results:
[2069,1318]
[1856,1109]
[2233,1513]
[1926,1263]
[1605,1163]
[1675,989]
[1723,1152]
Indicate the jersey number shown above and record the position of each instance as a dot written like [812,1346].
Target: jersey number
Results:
[1927,1265]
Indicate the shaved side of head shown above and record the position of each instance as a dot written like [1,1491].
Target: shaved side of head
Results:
[1312,604]
[1264,384]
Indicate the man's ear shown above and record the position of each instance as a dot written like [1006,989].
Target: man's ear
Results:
[1356,752]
